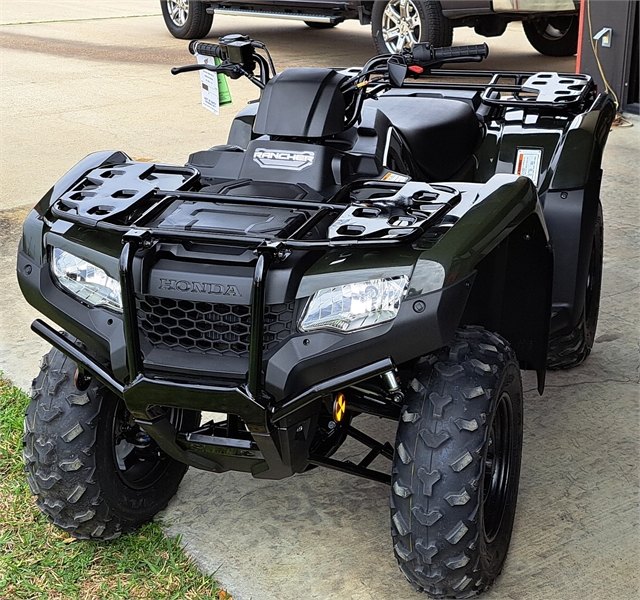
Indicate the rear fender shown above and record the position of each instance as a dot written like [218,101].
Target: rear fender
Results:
[571,207]
[580,153]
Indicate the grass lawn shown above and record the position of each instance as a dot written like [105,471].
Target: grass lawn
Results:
[39,561]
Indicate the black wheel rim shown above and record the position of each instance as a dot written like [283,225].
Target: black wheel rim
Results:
[137,458]
[497,468]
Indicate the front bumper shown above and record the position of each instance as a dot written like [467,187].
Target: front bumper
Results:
[281,433]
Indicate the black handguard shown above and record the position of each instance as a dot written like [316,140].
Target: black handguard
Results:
[205,49]
[426,55]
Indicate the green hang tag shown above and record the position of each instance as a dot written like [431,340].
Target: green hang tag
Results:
[223,87]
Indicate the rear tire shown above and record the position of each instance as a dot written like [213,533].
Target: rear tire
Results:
[457,466]
[570,346]
[89,479]
[399,24]
[553,36]
[186,19]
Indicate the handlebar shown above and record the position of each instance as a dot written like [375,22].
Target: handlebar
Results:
[426,54]
[237,56]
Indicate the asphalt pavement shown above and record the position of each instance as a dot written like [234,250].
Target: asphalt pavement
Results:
[76,77]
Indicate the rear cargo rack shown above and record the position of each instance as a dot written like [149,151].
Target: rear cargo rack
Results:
[559,92]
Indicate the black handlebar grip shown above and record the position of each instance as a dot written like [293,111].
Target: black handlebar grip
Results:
[422,53]
[205,49]
[461,52]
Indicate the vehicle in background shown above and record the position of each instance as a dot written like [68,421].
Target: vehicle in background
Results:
[550,26]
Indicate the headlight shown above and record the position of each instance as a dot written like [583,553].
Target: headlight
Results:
[355,305]
[86,281]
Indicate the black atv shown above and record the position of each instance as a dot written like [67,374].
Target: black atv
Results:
[397,240]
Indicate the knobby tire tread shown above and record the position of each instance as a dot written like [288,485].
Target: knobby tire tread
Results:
[61,456]
[436,479]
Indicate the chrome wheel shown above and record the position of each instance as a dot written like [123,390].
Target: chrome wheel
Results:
[178,11]
[401,25]
[554,29]
[555,36]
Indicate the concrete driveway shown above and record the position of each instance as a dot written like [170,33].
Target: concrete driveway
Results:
[82,76]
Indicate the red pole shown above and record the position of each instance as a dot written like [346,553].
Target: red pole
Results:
[580,32]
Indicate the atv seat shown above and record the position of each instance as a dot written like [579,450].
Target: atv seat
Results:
[442,134]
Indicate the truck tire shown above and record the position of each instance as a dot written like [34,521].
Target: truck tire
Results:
[570,346]
[186,19]
[317,25]
[553,36]
[457,466]
[398,24]
[89,479]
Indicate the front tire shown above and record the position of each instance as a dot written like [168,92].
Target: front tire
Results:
[399,24]
[95,473]
[553,36]
[186,19]
[457,466]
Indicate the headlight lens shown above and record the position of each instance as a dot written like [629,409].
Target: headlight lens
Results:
[355,305]
[86,281]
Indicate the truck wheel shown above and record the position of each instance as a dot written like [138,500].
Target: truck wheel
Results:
[553,36]
[186,19]
[570,346]
[399,24]
[95,473]
[457,465]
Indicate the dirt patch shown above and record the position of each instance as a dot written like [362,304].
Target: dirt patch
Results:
[11,221]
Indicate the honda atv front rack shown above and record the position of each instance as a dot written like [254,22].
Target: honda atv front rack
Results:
[123,199]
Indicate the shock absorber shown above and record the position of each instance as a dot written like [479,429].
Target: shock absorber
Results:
[391,383]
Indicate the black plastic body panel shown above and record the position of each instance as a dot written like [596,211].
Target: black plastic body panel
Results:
[302,103]
[571,218]
[307,358]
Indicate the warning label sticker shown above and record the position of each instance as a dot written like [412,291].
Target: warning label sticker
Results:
[528,163]
[395,177]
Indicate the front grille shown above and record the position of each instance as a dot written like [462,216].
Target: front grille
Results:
[201,327]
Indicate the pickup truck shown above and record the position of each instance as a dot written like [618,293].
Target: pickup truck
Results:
[551,26]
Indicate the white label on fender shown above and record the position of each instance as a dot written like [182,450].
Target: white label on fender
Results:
[528,163]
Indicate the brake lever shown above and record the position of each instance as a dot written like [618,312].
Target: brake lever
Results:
[196,67]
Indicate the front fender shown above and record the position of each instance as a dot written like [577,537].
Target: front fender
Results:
[502,237]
